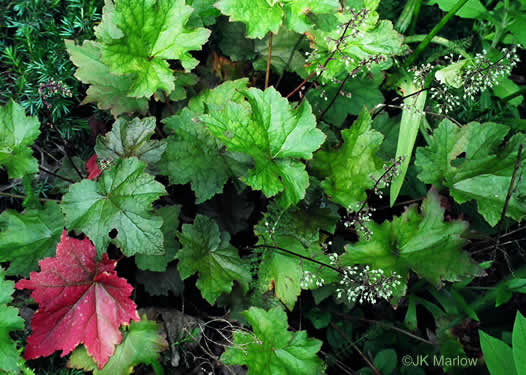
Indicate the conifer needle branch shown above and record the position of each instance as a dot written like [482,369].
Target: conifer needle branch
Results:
[298,255]
[269,58]
[508,196]
[55,175]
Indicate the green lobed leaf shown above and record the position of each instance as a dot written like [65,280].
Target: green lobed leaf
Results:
[142,344]
[195,156]
[9,321]
[210,100]
[121,199]
[204,13]
[207,251]
[158,263]
[275,136]
[17,134]
[298,12]
[259,16]
[26,238]
[497,355]
[272,349]
[143,35]
[484,174]
[109,91]
[129,138]
[421,242]
[351,169]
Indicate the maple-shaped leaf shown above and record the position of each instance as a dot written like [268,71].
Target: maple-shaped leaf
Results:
[366,38]
[421,242]
[483,174]
[129,138]
[194,155]
[275,136]
[204,12]
[109,91]
[208,251]
[259,16]
[9,321]
[263,16]
[137,37]
[17,134]
[81,300]
[93,168]
[272,349]
[158,263]
[210,100]
[351,169]
[121,199]
[142,344]
[27,237]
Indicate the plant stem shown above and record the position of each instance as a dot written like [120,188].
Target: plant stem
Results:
[508,196]
[437,40]
[9,195]
[423,45]
[299,256]
[301,85]
[355,347]
[340,40]
[55,175]
[269,57]
[335,96]
[387,326]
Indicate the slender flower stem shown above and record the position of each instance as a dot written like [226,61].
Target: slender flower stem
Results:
[423,45]
[335,96]
[508,196]
[55,175]
[355,347]
[299,256]
[340,40]
[269,57]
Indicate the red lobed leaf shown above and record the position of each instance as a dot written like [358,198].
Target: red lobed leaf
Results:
[93,168]
[81,300]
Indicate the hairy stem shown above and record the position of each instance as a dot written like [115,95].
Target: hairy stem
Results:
[269,57]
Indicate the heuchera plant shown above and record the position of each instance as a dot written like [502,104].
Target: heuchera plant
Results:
[281,183]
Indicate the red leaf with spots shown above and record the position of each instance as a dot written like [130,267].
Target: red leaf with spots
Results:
[93,168]
[81,300]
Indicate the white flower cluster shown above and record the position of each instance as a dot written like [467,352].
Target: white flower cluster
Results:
[481,73]
[366,285]
[310,280]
